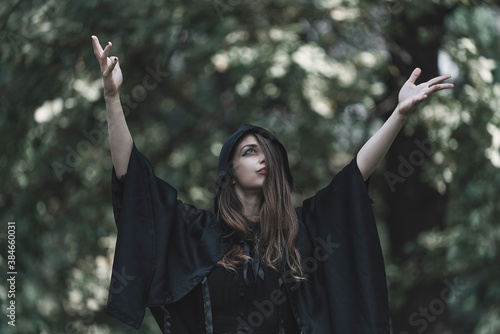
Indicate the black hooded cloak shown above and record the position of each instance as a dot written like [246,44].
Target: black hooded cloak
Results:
[166,248]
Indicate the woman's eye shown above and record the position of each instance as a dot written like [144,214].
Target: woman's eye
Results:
[250,150]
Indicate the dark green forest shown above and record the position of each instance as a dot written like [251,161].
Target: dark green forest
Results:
[322,75]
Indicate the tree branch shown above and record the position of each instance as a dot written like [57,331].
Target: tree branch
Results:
[4,24]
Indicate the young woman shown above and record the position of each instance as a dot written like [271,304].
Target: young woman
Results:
[255,265]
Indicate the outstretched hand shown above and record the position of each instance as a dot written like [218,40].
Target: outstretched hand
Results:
[411,95]
[111,72]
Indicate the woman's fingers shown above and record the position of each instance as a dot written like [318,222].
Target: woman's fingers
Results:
[114,62]
[435,88]
[439,79]
[98,51]
[102,56]
[414,75]
[435,83]
[106,50]
[97,47]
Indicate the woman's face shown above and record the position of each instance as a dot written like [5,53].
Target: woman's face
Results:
[249,165]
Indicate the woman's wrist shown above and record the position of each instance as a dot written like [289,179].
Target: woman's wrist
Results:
[400,116]
[113,104]
[111,97]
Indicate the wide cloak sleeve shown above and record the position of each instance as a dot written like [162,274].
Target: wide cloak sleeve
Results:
[346,290]
[164,247]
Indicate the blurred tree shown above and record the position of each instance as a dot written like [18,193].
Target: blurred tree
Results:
[414,38]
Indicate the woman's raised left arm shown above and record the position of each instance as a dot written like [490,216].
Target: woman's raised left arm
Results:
[410,96]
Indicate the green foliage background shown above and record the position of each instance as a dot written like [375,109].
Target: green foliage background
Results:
[320,74]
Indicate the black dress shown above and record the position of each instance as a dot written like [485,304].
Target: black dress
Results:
[241,306]
[166,250]
[253,299]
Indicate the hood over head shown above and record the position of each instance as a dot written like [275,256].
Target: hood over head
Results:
[227,148]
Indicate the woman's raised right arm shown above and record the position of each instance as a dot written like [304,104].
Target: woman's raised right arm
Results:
[120,139]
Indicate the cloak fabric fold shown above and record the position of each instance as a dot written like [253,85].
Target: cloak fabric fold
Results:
[165,248]
[346,289]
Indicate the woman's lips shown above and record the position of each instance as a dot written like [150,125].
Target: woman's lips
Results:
[262,171]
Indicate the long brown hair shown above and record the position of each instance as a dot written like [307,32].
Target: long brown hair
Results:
[278,224]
